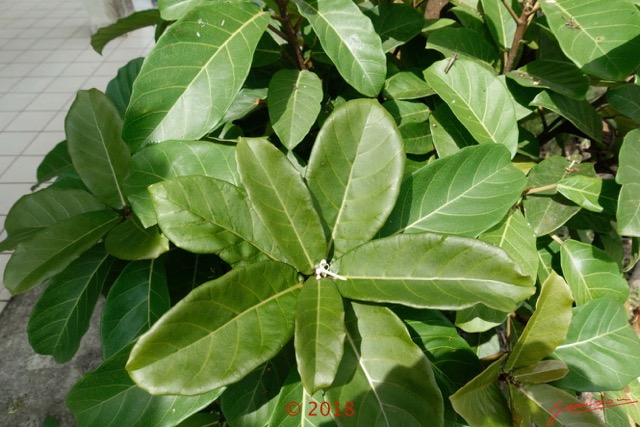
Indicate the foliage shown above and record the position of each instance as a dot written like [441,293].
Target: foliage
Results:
[327,212]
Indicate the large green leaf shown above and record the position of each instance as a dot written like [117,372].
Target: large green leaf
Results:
[405,112]
[99,155]
[245,102]
[462,41]
[386,376]
[433,271]
[55,163]
[465,193]
[135,21]
[170,159]
[294,104]
[395,23]
[193,74]
[136,300]
[501,24]
[629,159]
[131,241]
[579,112]
[208,215]
[406,85]
[108,397]
[602,38]
[219,333]
[172,10]
[319,333]
[591,274]
[61,316]
[601,350]
[624,408]
[626,99]
[281,199]
[52,249]
[355,170]
[120,87]
[349,39]
[590,193]
[561,77]
[541,372]
[629,210]
[548,326]
[447,133]
[479,100]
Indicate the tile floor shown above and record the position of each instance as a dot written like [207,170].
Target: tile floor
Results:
[45,57]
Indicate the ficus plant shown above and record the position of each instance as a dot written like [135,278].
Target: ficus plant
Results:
[327,212]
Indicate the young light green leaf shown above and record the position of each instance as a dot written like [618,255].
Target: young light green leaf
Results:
[61,316]
[626,99]
[478,99]
[386,376]
[408,269]
[465,193]
[602,38]
[135,21]
[193,74]
[294,104]
[601,350]
[561,77]
[129,240]
[282,201]
[406,85]
[293,391]
[542,372]
[355,170]
[169,159]
[55,163]
[225,329]
[99,155]
[548,326]
[629,163]
[349,39]
[628,212]
[107,396]
[395,23]
[582,114]
[590,193]
[119,88]
[462,41]
[319,334]
[136,300]
[591,274]
[501,24]
[52,249]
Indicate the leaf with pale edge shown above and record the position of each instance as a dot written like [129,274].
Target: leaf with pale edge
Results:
[119,88]
[590,193]
[135,21]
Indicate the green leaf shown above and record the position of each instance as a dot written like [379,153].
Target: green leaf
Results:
[99,154]
[541,372]
[319,333]
[624,408]
[462,41]
[120,87]
[172,10]
[410,269]
[479,100]
[447,133]
[626,99]
[55,163]
[107,396]
[395,23]
[465,193]
[355,170]
[629,159]
[601,350]
[592,194]
[629,210]
[479,318]
[602,38]
[406,85]
[350,40]
[548,326]
[561,77]
[580,113]
[267,52]
[386,376]
[501,24]
[135,21]
[481,402]
[549,257]
[294,104]
[417,138]
[61,316]
[129,240]
[219,333]
[169,159]
[208,215]
[52,249]
[515,236]
[405,112]
[591,274]
[245,102]
[280,198]
[191,77]
[136,300]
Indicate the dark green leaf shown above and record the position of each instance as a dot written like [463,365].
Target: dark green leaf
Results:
[405,112]
[479,318]
[135,21]
[541,372]
[417,138]
[561,77]
[580,113]
[447,133]
[626,99]
[463,41]
[395,23]
[120,87]
[245,102]
[267,52]
[590,193]
[129,240]
[56,162]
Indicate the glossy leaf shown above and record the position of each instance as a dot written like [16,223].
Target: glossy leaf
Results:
[98,153]
[405,112]
[628,167]
[500,22]
[395,23]
[55,163]
[349,39]
[580,113]
[219,333]
[354,171]
[246,101]
[561,77]
[172,10]
[61,316]
[193,74]
[465,193]
[170,159]
[479,318]
[629,210]
[447,133]
[462,41]
[591,274]
[107,396]
[406,85]
[478,99]
[542,372]
[52,249]
[548,326]
[417,138]
[626,99]
[408,269]
[135,21]
[119,88]
[386,376]
[283,202]
[129,240]
[319,333]
[601,350]
[136,300]
[294,104]
[601,38]
[293,391]
[593,194]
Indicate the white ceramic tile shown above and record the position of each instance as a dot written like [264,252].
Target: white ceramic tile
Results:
[98,82]
[122,56]
[48,69]
[6,83]
[32,85]
[63,55]
[8,33]
[30,121]
[57,123]
[51,42]
[15,101]
[48,102]
[4,293]
[16,70]
[11,193]
[44,142]
[22,170]
[32,56]
[5,118]
[5,163]
[21,44]
[33,33]
[47,22]
[21,23]
[8,56]
[14,143]
[3,218]
[81,69]
[109,69]
[64,84]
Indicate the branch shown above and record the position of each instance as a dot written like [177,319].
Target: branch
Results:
[511,11]
[523,23]
[290,33]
